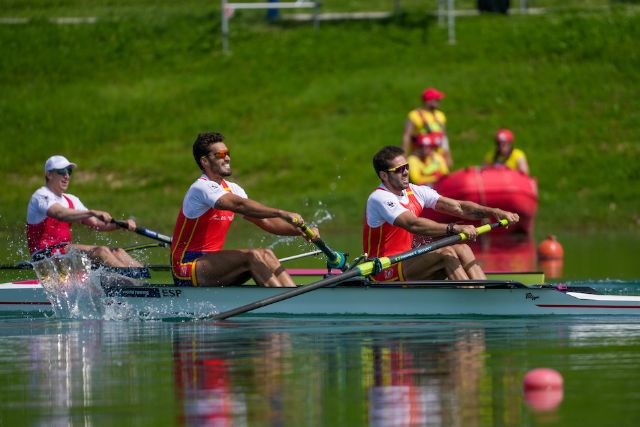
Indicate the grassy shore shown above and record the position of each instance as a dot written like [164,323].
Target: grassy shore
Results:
[304,110]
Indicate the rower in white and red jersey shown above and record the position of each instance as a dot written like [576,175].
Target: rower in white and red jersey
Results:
[198,257]
[51,212]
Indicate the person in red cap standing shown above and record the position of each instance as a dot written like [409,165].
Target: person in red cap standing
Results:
[426,165]
[427,119]
[505,154]
[51,212]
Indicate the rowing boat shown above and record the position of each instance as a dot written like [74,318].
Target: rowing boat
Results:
[495,297]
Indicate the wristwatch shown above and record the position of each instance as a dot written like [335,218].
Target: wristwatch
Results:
[450,229]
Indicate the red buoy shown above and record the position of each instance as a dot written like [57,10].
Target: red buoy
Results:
[550,248]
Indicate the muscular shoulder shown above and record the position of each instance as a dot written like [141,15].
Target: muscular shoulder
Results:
[382,206]
[204,193]
[427,196]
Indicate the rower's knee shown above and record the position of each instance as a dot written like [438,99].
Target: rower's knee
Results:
[101,252]
[264,256]
[450,257]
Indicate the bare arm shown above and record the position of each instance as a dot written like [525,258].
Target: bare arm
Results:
[269,219]
[523,166]
[93,218]
[427,227]
[471,210]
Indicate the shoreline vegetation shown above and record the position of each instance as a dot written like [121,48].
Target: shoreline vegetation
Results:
[303,110]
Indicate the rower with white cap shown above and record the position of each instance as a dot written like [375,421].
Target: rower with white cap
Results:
[51,212]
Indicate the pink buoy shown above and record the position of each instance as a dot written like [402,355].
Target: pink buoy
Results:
[543,389]
[543,400]
[543,379]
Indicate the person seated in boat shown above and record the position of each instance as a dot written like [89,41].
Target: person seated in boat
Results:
[505,154]
[207,211]
[51,212]
[392,218]
[426,165]
[427,119]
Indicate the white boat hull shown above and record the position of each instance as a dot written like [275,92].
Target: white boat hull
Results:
[167,301]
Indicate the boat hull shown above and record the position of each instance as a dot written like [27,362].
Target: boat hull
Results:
[497,299]
[497,187]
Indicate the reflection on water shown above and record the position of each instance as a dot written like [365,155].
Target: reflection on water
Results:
[291,372]
[514,253]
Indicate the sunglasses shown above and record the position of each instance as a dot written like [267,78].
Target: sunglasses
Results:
[399,169]
[221,154]
[63,171]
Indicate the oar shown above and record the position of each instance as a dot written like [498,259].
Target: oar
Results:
[26,265]
[144,232]
[334,259]
[304,255]
[361,270]
[145,246]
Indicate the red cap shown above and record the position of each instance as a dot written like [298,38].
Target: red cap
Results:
[504,135]
[431,93]
[429,140]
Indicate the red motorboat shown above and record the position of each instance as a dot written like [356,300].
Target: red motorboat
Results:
[496,186]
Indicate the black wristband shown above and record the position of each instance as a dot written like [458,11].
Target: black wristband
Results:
[450,230]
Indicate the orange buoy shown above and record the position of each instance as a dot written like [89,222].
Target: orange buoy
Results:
[550,248]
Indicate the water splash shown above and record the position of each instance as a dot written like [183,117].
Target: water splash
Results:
[318,217]
[71,286]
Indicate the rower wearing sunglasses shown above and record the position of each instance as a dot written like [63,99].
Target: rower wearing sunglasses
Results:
[198,257]
[393,219]
[51,212]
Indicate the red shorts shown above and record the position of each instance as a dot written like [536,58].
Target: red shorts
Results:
[391,274]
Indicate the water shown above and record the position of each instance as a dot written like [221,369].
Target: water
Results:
[317,372]
[279,371]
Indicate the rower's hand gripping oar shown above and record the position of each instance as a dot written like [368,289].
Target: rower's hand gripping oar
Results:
[365,269]
[334,259]
[144,232]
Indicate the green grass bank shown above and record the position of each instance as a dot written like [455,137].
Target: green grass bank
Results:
[304,110]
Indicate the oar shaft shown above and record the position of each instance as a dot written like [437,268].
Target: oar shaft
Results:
[286,295]
[304,255]
[145,232]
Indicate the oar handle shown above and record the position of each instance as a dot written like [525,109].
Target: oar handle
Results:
[144,232]
[334,259]
[371,267]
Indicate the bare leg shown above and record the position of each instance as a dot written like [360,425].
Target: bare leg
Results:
[108,256]
[435,265]
[469,262]
[236,266]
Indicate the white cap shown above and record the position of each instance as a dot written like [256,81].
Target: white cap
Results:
[58,162]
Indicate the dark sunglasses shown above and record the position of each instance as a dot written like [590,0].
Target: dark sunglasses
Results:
[63,171]
[399,169]
[221,154]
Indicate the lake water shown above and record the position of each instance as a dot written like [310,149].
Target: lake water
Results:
[318,372]
[287,371]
